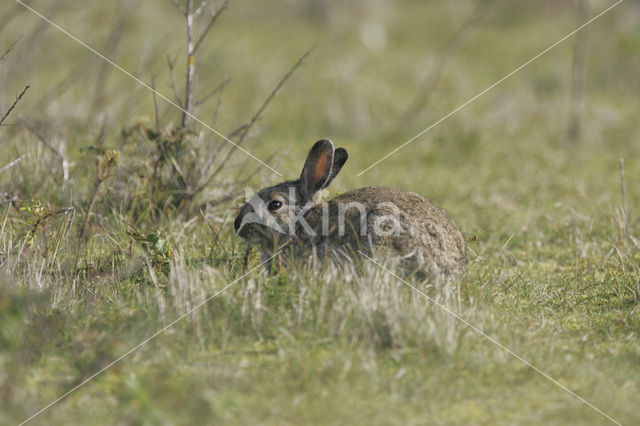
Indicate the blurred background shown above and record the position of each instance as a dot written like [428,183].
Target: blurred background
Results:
[381,72]
[530,170]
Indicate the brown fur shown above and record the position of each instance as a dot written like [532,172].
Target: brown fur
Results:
[429,243]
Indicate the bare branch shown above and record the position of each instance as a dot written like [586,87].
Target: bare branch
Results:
[11,13]
[11,164]
[90,62]
[257,169]
[200,8]
[238,130]
[208,96]
[4,55]
[179,7]
[274,93]
[450,47]
[6,114]
[52,147]
[32,227]
[215,233]
[191,67]
[212,21]
[217,110]
[193,44]
[255,118]
[155,103]
[205,171]
[97,185]
[94,197]
[173,80]
[179,171]
[113,41]
[39,31]
[68,80]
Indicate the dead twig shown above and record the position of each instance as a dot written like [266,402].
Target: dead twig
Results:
[218,103]
[64,83]
[94,196]
[6,114]
[178,170]
[253,120]
[216,233]
[33,227]
[11,164]
[155,103]
[273,94]
[38,32]
[111,46]
[52,148]
[172,79]
[103,172]
[82,67]
[4,55]
[10,14]
[219,88]
[193,44]
[179,7]
[214,17]
[191,65]
[424,93]
[257,169]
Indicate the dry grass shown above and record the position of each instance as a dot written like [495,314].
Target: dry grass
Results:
[553,269]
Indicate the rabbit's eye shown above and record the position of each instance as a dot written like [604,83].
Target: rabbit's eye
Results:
[274,205]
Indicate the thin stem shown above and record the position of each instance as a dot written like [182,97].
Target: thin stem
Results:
[6,114]
[191,66]
[53,148]
[4,55]
[255,118]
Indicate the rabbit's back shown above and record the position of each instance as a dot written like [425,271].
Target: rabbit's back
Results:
[428,239]
[378,221]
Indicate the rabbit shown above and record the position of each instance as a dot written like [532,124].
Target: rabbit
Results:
[370,221]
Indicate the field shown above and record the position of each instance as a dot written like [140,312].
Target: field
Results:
[116,233]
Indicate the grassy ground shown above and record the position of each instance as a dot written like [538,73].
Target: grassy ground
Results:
[551,273]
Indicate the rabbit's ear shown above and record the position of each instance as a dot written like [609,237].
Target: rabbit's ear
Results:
[340,157]
[317,169]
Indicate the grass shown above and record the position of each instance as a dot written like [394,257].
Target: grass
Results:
[551,274]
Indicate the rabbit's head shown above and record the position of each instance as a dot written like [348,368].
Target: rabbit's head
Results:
[270,215]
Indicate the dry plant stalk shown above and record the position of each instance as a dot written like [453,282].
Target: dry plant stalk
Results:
[6,114]
[94,196]
[243,130]
[104,168]
[194,42]
[39,31]
[44,217]
[457,40]
[112,43]
[4,55]
[52,147]
[11,164]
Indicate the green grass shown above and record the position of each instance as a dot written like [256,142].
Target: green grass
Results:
[551,274]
